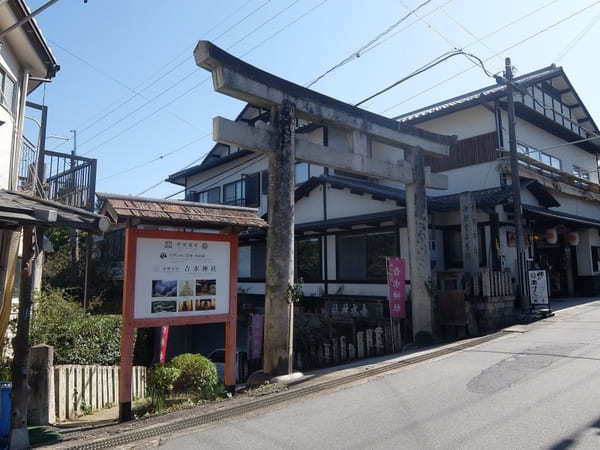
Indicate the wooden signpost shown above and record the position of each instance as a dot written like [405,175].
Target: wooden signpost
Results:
[177,278]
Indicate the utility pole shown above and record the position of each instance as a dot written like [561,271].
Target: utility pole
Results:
[74,234]
[516,188]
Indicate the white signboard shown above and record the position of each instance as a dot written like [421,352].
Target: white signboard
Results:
[538,287]
[181,278]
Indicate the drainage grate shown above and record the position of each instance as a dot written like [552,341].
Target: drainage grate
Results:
[217,416]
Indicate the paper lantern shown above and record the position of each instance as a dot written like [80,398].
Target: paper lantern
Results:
[551,236]
[573,238]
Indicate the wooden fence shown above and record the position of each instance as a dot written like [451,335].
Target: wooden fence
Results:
[82,389]
[493,284]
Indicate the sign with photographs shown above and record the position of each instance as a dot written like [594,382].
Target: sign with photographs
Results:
[180,278]
[538,287]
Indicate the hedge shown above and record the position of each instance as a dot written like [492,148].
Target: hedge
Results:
[77,337]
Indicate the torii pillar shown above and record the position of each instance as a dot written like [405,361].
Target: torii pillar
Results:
[364,132]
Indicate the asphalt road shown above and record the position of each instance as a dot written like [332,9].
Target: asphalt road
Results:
[534,389]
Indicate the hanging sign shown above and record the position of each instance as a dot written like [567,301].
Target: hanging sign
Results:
[538,287]
[396,273]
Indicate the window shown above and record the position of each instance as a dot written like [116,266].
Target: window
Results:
[308,259]
[361,257]
[252,190]
[581,173]
[542,157]
[258,260]
[234,193]
[8,90]
[301,172]
[264,182]
[210,196]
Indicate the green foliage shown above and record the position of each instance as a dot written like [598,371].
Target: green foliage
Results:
[161,382]
[77,337]
[104,292]
[198,374]
[5,374]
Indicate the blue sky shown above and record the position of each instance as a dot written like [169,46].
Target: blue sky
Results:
[129,85]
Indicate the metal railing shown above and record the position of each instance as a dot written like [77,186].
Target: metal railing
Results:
[70,179]
[27,166]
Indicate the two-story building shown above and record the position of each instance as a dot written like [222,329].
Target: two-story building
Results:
[346,224]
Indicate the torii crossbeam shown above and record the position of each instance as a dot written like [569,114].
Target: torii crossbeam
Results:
[373,145]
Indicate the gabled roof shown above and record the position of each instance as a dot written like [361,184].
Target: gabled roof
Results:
[553,75]
[124,208]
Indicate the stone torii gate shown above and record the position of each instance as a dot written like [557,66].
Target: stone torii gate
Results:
[372,145]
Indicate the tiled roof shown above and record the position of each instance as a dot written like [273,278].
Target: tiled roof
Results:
[477,96]
[122,208]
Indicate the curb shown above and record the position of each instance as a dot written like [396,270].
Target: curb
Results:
[217,416]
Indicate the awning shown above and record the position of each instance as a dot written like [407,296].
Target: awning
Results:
[544,212]
[18,209]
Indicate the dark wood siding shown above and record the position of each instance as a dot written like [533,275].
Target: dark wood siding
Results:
[467,152]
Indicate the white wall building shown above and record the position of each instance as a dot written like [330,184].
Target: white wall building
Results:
[346,225]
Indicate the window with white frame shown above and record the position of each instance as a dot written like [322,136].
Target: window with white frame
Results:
[234,193]
[209,196]
[542,157]
[7,91]
[581,172]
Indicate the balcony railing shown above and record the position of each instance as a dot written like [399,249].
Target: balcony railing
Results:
[70,179]
[27,166]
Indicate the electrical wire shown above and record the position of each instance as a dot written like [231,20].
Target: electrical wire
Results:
[510,47]
[268,38]
[578,38]
[359,51]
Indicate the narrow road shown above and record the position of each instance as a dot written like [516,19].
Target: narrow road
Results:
[535,388]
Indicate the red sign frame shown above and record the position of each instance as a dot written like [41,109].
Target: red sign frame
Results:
[129,323]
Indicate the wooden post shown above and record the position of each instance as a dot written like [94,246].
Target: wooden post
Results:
[19,435]
[280,244]
[418,248]
[127,330]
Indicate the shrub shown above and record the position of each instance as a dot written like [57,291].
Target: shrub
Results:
[161,381]
[77,337]
[198,374]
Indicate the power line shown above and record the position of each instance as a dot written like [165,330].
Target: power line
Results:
[268,38]
[522,41]
[187,76]
[357,53]
[152,99]
[578,38]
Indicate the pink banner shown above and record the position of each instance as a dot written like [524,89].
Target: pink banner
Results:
[164,338]
[396,273]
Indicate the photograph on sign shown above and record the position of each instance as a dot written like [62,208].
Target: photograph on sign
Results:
[181,278]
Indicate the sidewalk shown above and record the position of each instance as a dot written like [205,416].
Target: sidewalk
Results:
[114,434]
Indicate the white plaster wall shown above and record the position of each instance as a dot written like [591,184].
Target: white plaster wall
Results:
[465,124]
[12,67]
[310,208]
[470,178]
[368,290]
[341,203]
[570,155]
[577,206]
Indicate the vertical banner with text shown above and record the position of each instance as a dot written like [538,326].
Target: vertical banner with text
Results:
[396,274]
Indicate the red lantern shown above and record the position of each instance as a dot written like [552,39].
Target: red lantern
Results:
[573,238]
[551,236]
